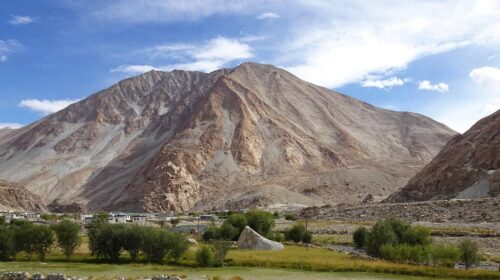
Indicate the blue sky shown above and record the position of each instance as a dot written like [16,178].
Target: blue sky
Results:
[438,58]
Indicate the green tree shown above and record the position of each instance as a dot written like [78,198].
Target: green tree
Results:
[25,237]
[133,240]
[44,238]
[7,243]
[99,222]
[68,236]
[228,232]
[178,245]
[260,221]
[212,233]
[360,237]
[109,242]
[469,253]
[155,244]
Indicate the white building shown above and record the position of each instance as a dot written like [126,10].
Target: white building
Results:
[139,219]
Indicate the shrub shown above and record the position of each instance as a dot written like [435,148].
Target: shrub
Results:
[239,221]
[468,253]
[418,254]
[220,249]
[290,217]
[298,233]
[228,232]
[260,221]
[68,236]
[204,257]
[360,237]
[212,233]
[382,233]
[416,236]
[444,255]
[174,222]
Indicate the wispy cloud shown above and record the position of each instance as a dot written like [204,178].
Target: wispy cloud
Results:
[385,83]
[20,20]
[167,10]
[7,47]
[268,15]
[46,106]
[206,57]
[427,85]
[10,125]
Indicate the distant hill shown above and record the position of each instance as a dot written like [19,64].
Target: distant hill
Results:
[467,167]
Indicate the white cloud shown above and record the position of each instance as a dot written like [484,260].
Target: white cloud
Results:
[18,20]
[492,57]
[487,77]
[268,15]
[10,125]
[427,85]
[46,106]
[345,41]
[7,47]
[133,69]
[390,82]
[210,56]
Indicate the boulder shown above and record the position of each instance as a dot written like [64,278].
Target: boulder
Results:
[250,239]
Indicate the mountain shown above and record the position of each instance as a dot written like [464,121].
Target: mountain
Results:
[233,138]
[467,167]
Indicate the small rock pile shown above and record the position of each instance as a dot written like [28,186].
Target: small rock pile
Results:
[165,277]
[36,276]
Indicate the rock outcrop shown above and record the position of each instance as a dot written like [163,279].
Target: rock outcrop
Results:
[250,239]
[15,197]
[467,167]
[254,135]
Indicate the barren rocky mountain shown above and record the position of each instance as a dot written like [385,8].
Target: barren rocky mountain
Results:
[247,136]
[16,197]
[467,167]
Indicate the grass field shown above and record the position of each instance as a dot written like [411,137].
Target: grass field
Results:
[292,263]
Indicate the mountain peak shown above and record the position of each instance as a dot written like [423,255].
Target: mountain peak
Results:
[252,135]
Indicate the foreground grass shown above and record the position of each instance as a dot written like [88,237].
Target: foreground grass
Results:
[316,259]
[292,262]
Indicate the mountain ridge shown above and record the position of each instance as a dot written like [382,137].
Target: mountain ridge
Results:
[181,140]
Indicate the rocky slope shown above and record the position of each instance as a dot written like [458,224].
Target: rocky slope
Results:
[16,197]
[251,135]
[467,167]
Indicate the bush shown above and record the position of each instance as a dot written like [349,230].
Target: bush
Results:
[405,253]
[444,255]
[204,257]
[395,232]
[220,249]
[469,253]
[260,221]
[68,236]
[360,237]
[212,233]
[381,234]
[298,233]
[290,217]
[229,232]
[239,221]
